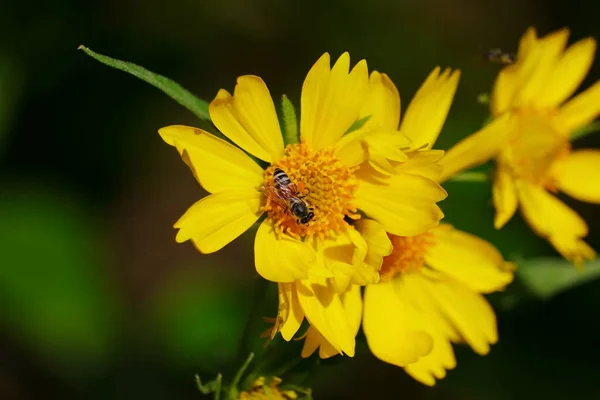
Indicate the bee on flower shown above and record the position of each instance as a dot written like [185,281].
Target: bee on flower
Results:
[341,174]
[529,140]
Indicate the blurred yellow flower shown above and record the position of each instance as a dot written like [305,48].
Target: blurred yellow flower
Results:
[317,258]
[261,390]
[422,124]
[429,296]
[529,140]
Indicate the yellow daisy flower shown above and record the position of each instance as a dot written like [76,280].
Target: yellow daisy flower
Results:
[422,124]
[529,140]
[319,257]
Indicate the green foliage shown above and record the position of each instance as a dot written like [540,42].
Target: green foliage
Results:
[198,107]
[199,319]
[53,287]
[545,277]
[290,122]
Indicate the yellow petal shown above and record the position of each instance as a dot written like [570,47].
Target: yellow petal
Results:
[290,311]
[217,165]
[382,104]
[324,310]
[248,118]
[352,303]
[576,175]
[527,43]
[534,80]
[217,219]
[405,205]
[389,326]
[580,110]
[434,365]
[504,196]
[504,89]
[427,111]
[281,259]
[331,100]
[468,259]
[467,311]
[568,73]
[478,147]
[552,219]
[353,306]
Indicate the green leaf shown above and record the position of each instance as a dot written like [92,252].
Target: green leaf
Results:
[290,122]
[586,130]
[198,107]
[547,276]
[471,177]
[358,124]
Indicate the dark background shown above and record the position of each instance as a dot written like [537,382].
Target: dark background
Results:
[98,301]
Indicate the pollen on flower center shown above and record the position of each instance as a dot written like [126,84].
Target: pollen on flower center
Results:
[324,185]
[534,147]
[408,254]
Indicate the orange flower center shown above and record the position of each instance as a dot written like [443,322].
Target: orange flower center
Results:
[408,255]
[314,194]
[533,148]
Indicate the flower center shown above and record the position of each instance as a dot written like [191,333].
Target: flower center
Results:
[309,192]
[533,148]
[408,255]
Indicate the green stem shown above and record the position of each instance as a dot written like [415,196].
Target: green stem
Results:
[250,333]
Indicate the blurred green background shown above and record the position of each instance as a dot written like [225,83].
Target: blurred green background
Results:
[98,301]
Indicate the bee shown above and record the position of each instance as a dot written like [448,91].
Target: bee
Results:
[285,192]
[500,57]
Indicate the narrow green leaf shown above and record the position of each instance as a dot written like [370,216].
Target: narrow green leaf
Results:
[197,106]
[290,122]
[586,130]
[358,124]
[471,177]
[547,276]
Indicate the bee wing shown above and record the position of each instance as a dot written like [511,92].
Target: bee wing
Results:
[274,195]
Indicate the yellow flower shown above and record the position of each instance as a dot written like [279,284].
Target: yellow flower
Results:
[320,258]
[260,390]
[529,140]
[421,124]
[429,296]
